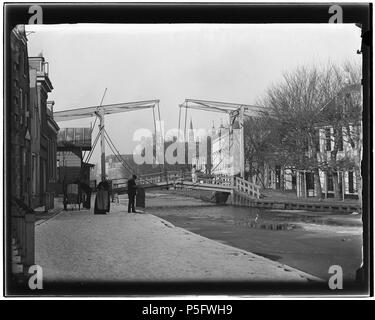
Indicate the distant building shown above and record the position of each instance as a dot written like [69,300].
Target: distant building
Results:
[200,150]
[123,166]
[222,158]
[44,157]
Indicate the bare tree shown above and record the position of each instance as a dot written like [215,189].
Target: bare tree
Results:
[295,104]
[343,112]
[306,101]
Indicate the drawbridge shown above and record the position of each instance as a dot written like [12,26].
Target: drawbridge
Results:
[238,187]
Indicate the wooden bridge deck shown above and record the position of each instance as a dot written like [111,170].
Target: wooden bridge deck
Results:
[243,193]
[179,180]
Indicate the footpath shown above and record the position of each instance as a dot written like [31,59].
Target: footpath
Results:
[80,246]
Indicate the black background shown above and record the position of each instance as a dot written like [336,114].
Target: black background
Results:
[204,13]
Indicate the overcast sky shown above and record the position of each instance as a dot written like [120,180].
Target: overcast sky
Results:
[221,62]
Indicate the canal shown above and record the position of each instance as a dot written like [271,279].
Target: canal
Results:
[309,241]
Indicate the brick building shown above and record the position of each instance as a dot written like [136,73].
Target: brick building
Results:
[45,130]
[20,146]
[21,237]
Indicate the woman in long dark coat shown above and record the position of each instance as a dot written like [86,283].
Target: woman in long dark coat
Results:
[102,201]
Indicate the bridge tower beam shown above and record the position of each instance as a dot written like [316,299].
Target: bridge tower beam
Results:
[102,144]
[242,142]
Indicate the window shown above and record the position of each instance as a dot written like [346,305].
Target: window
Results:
[48,159]
[79,136]
[21,98]
[317,141]
[58,170]
[340,141]
[15,103]
[23,157]
[34,173]
[328,139]
[26,101]
[22,58]
[348,103]
[54,152]
[310,181]
[27,113]
[21,105]
[305,144]
[25,65]
[351,182]
[329,182]
[69,134]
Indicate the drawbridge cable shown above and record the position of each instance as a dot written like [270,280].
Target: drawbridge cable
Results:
[117,154]
[118,158]
[121,159]
[94,145]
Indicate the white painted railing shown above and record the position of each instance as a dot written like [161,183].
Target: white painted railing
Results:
[249,188]
[222,180]
[176,177]
[170,176]
[152,178]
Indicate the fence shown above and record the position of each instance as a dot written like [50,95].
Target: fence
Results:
[246,187]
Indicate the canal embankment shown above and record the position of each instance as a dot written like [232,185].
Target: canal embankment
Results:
[280,201]
[80,247]
[311,241]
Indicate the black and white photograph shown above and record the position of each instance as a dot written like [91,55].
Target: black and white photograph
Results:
[187,156]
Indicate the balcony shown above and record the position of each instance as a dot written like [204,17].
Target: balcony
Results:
[68,138]
[41,66]
[42,71]
[50,105]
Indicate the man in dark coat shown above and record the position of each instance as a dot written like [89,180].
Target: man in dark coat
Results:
[132,191]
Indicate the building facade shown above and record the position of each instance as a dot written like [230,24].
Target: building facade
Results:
[22,219]
[44,155]
[36,196]
[339,146]
[337,154]
[347,178]
[225,152]
[20,118]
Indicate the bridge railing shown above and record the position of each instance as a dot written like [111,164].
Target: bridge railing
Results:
[237,183]
[119,183]
[158,177]
[223,180]
[153,178]
[247,187]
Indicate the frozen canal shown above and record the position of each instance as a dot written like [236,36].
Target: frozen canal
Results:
[308,241]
